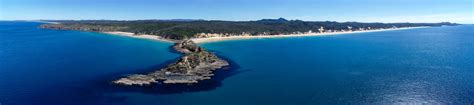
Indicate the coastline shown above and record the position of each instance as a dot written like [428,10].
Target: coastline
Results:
[142,36]
[217,39]
[196,65]
[40,21]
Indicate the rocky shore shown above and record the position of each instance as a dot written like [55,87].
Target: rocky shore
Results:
[196,65]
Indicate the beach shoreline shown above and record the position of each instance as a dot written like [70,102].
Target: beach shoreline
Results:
[217,39]
[141,36]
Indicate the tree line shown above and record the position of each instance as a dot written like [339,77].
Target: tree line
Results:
[183,29]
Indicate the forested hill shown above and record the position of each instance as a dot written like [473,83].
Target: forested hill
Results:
[184,29]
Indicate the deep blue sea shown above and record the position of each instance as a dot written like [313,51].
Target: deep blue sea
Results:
[416,66]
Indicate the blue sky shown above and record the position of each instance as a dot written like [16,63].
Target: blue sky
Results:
[460,11]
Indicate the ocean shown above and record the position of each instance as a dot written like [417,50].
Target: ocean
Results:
[416,66]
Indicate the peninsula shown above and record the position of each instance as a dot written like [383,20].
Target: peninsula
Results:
[198,64]
[198,29]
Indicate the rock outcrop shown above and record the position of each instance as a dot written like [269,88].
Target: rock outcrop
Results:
[197,64]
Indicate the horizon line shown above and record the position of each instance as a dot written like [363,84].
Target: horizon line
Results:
[183,19]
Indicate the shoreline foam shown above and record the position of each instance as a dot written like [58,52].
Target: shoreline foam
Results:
[217,39]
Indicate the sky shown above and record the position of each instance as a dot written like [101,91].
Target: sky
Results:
[387,11]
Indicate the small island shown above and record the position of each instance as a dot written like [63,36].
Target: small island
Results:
[197,64]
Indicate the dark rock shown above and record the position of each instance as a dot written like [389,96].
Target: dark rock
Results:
[197,64]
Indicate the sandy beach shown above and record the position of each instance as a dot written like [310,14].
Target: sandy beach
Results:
[143,36]
[215,39]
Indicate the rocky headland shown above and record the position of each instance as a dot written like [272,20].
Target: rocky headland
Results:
[196,65]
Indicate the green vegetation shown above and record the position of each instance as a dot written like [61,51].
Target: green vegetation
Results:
[183,29]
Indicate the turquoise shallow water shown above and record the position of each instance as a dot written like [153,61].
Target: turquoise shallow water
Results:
[429,65]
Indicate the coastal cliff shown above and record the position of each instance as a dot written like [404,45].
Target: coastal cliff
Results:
[196,65]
